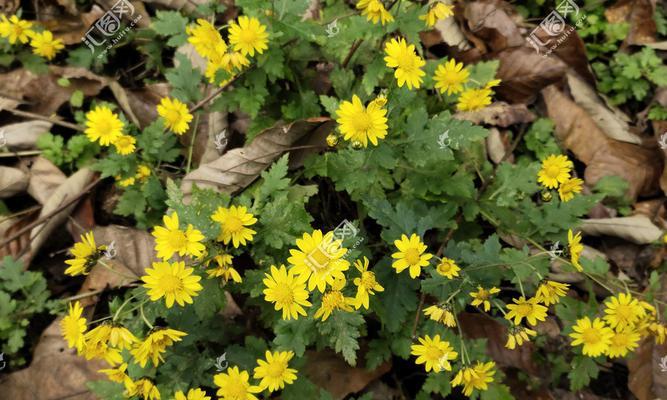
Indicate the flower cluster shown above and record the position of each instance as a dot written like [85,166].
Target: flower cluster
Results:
[17,30]
[555,174]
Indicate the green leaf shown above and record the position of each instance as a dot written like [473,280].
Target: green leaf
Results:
[210,300]
[342,330]
[399,298]
[169,23]
[294,335]
[583,369]
[438,383]
[330,104]
[184,79]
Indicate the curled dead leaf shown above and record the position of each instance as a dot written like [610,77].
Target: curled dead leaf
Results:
[24,135]
[45,178]
[498,114]
[637,228]
[488,21]
[12,181]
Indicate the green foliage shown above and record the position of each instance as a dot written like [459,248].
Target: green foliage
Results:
[77,152]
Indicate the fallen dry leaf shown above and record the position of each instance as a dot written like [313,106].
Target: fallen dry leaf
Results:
[143,102]
[490,23]
[446,30]
[24,135]
[498,114]
[637,228]
[495,147]
[238,168]
[639,15]
[45,178]
[12,181]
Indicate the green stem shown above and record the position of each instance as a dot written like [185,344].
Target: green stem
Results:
[192,143]
[143,316]
[126,302]
[104,265]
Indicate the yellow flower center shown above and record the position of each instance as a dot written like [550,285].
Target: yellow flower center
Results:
[248,36]
[553,171]
[407,62]
[624,312]
[317,259]
[362,122]
[412,256]
[368,280]
[173,115]
[236,392]
[483,294]
[444,267]
[590,336]
[333,299]
[171,283]
[233,224]
[524,309]
[177,240]
[284,295]
[276,369]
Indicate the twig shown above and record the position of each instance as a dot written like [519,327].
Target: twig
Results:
[350,53]
[20,153]
[51,214]
[44,118]
[219,90]
[418,314]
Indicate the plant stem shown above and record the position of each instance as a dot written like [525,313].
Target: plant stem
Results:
[143,316]
[192,143]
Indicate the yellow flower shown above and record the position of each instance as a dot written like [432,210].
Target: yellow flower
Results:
[623,311]
[410,255]
[287,291]
[233,225]
[482,296]
[595,336]
[205,39]
[442,314]
[15,29]
[622,342]
[224,269]
[234,385]
[436,354]
[274,372]
[45,45]
[529,309]
[121,338]
[448,268]
[361,124]
[408,64]
[659,331]
[86,253]
[143,172]
[334,300]
[124,144]
[174,282]
[170,239]
[155,344]
[99,334]
[73,327]
[567,189]
[176,115]
[143,387]
[320,259]
[248,35]
[477,377]
[126,182]
[374,10]
[517,335]
[366,285]
[193,394]
[117,374]
[103,125]
[229,61]
[555,170]
[575,248]
[98,349]
[450,76]
[436,12]
[474,99]
[550,292]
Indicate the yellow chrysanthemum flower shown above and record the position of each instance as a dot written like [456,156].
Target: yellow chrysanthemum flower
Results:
[224,269]
[234,222]
[374,11]
[569,188]
[482,296]
[234,385]
[205,39]
[15,29]
[623,342]
[248,35]
[287,291]
[143,172]
[622,311]
[73,327]
[320,259]
[408,64]
[555,170]
[173,281]
[176,115]
[45,45]
[231,61]
[362,124]
[436,354]
[659,331]
[117,374]
[517,335]
[121,338]
[366,285]
[450,77]
[437,11]
[193,394]
[86,253]
[474,99]
[448,268]
[333,300]
[575,248]
[126,182]
[529,309]
[96,349]
[103,125]
[550,292]
[143,387]
[170,239]
[595,336]
[411,254]
[442,314]
[274,372]
[476,377]
[155,344]
[124,144]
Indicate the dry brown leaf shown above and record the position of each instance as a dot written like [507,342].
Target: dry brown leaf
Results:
[24,135]
[637,228]
[658,45]
[449,32]
[45,177]
[613,123]
[639,166]
[639,15]
[495,147]
[328,371]
[499,114]
[144,101]
[12,181]
[187,6]
[237,168]
[489,22]
[134,247]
